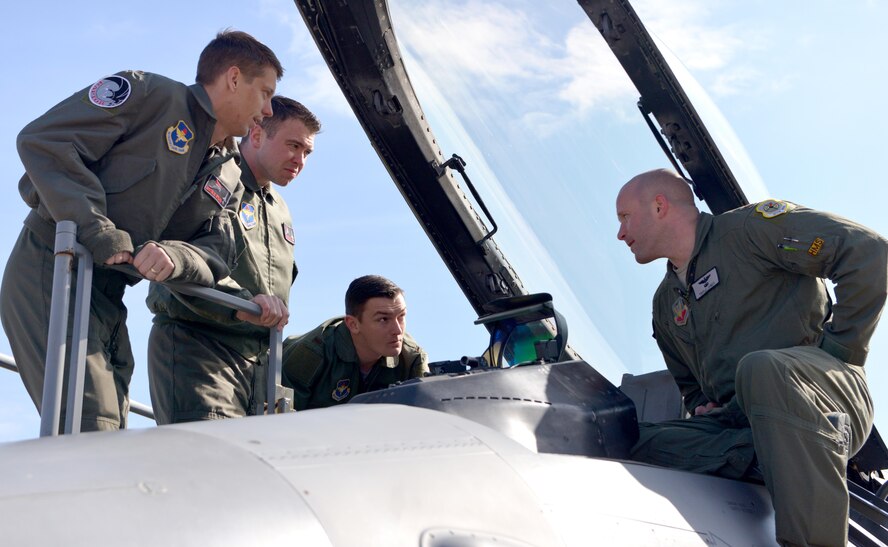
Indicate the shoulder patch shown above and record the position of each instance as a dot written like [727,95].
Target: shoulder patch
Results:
[216,190]
[110,92]
[179,137]
[248,215]
[772,208]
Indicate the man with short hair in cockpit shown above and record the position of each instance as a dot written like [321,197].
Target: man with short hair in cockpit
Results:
[366,350]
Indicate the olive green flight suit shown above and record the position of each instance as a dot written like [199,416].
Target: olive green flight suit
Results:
[323,369]
[203,363]
[129,160]
[753,330]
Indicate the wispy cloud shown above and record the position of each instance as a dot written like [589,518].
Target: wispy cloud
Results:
[594,77]
[477,40]
[534,80]
[714,51]
[542,81]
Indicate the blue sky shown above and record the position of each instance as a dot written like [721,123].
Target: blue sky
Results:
[798,82]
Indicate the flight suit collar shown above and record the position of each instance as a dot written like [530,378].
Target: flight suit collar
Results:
[345,348]
[704,226]
[251,184]
[248,178]
[203,99]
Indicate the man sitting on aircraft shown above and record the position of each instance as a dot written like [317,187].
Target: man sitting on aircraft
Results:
[762,359]
[204,360]
[366,350]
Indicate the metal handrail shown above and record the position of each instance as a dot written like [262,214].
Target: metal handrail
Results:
[8,362]
[276,399]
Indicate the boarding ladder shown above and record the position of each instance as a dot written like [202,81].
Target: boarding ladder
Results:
[67,250]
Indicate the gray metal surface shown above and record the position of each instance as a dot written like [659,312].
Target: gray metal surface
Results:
[369,475]
[558,408]
[156,486]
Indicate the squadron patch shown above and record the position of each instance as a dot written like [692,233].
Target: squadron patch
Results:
[705,284]
[771,208]
[179,137]
[680,312]
[342,390]
[815,247]
[289,235]
[110,92]
[216,190]
[248,215]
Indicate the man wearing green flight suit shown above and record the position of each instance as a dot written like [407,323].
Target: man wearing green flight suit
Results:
[205,361]
[771,373]
[366,350]
[141,164]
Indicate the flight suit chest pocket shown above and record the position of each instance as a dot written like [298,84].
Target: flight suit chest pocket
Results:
[122,173]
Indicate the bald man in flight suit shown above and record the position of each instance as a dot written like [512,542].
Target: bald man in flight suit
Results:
[770,371]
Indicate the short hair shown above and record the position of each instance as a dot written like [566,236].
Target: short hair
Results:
[235,48]
[287,109]
[366,287]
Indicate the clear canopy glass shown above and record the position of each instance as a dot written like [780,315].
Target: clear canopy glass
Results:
[532,98]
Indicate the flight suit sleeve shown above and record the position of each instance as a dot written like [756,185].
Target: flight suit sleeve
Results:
[302,360]
[211,312]
[416,358]
[420,365]
[824,245]
[56,149]
[688,386]
[200,237]
[209,256]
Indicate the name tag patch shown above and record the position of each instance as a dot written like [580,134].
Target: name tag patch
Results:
[216,190]
[706,283]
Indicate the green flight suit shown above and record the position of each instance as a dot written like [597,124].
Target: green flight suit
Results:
[753,330]
[203,363]
[129,160]
[323,369]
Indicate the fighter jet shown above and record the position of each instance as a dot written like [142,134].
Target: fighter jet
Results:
[523,444]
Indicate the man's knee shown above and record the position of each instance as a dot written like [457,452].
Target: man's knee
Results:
[758,373]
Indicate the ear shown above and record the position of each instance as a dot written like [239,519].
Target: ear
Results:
[232,77]
[256,135]
[661,205]
[354,326]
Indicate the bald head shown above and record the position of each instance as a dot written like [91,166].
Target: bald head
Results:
[657,216]
[647,185]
